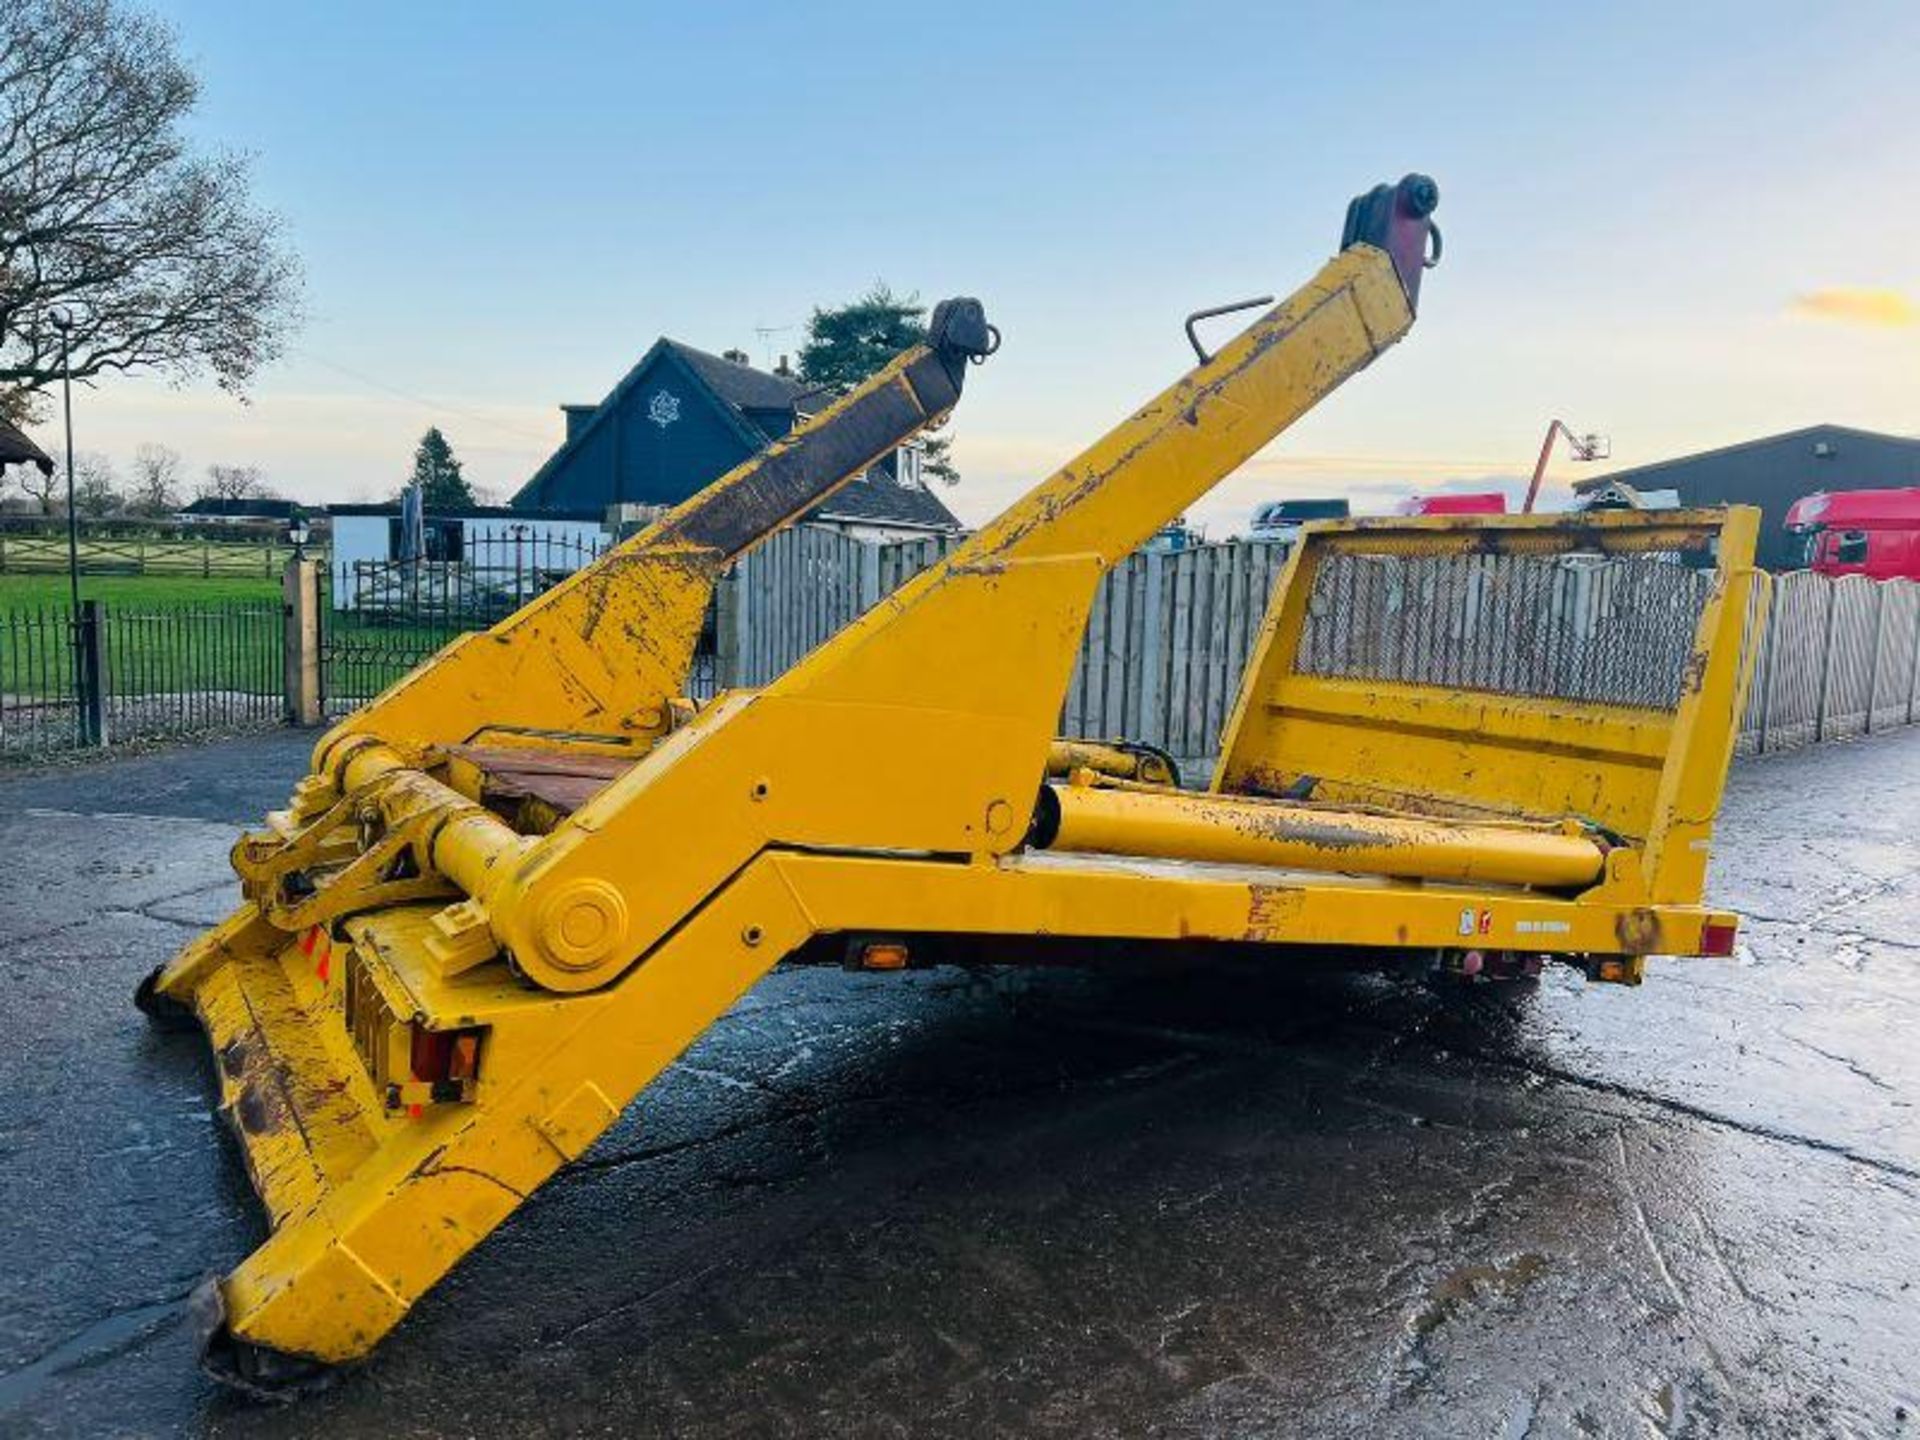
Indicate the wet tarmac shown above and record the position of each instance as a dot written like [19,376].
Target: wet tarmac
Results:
[1238,1203]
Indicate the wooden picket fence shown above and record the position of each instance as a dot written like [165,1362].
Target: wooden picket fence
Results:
[1171,631]
[228,559]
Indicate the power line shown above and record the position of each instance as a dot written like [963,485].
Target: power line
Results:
[426,402]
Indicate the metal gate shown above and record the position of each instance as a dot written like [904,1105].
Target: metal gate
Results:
[379,619]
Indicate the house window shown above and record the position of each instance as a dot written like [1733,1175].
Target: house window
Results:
[906,466]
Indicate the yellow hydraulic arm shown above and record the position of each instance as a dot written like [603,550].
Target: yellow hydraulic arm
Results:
[597,657]
[590,670]
[423,1013]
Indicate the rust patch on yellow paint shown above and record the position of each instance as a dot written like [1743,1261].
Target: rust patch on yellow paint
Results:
[1638,931]
[1270,909]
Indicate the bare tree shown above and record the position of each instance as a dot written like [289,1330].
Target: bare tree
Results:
[43,486]
[154,489]
[96,486]
[155,252]
[233,482]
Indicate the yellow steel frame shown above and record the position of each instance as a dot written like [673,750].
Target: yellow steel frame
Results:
[1651,776]
[886,783]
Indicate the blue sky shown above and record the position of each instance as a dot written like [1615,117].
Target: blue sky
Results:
[500,206]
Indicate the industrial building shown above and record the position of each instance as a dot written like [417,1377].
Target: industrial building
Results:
[1776,470]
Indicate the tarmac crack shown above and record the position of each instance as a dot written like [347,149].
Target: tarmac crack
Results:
[97,1341]
[1667,1103]
[1843,1062]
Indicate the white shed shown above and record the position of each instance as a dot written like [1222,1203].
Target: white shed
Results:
[485,544]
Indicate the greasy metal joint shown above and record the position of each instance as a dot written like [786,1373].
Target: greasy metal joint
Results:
[1398,219]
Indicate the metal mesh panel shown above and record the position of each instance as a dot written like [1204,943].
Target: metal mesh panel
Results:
[1605,630]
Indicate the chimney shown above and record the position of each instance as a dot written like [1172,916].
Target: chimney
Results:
[577,417]
[738,357]
[783,368]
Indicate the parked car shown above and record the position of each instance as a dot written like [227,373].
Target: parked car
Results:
[1875,533]
[1281,519]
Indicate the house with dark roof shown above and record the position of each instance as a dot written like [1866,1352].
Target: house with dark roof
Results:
[1773,472]
[681,418]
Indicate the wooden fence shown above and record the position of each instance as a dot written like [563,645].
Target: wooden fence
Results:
[1837,658]
[1170,633]
[230,559]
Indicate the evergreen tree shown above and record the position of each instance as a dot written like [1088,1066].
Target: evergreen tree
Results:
[437,472]
[847,343]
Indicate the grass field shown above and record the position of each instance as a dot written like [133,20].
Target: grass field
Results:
[162,634]
[143,593]
[176,634]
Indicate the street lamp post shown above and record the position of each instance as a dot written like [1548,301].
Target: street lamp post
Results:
[88,707]
[63,322]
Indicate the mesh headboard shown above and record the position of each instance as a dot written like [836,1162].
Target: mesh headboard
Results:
[1610,629]
[1536,666]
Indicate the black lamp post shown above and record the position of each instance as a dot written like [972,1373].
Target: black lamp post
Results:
[63,322]
[298,534]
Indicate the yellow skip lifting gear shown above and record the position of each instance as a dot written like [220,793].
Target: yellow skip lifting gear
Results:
[520,883]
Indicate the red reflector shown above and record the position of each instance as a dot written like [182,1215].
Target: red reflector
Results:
[1717,937]
[442,1055]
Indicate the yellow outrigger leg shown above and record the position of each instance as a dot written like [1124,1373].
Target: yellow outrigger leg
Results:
[515,889]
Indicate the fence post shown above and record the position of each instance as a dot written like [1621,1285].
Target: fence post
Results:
[726,625]
[868,594]
[91,702]
[1153,622]
[1826,664]
[1913,673]
[1873,652]
[300,589]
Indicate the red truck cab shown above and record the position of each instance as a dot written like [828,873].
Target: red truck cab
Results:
[1875,533]
[1487,502]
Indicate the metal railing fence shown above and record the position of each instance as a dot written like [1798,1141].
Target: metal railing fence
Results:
[112,674]
[1167,639]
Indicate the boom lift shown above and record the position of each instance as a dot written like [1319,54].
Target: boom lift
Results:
[1454,738]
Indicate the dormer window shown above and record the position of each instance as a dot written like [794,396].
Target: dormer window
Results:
[906,467]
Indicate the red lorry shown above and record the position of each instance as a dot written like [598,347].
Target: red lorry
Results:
[1488,502]
[1875,533]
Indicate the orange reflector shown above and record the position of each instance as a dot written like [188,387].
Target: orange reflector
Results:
[445,1055]
[1618,969]
[883,955]
[1717,937]
[465,1059]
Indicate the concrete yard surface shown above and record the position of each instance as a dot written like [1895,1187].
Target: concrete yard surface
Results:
[1276,1201]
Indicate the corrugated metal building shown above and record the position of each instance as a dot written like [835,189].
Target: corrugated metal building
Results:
[1777,470]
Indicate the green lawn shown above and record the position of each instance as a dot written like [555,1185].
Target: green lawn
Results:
[143,593]
[174,634]
[163,634]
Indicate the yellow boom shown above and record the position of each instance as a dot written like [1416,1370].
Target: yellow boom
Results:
[514,890]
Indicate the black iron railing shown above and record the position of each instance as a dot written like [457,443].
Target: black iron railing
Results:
[113,674]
